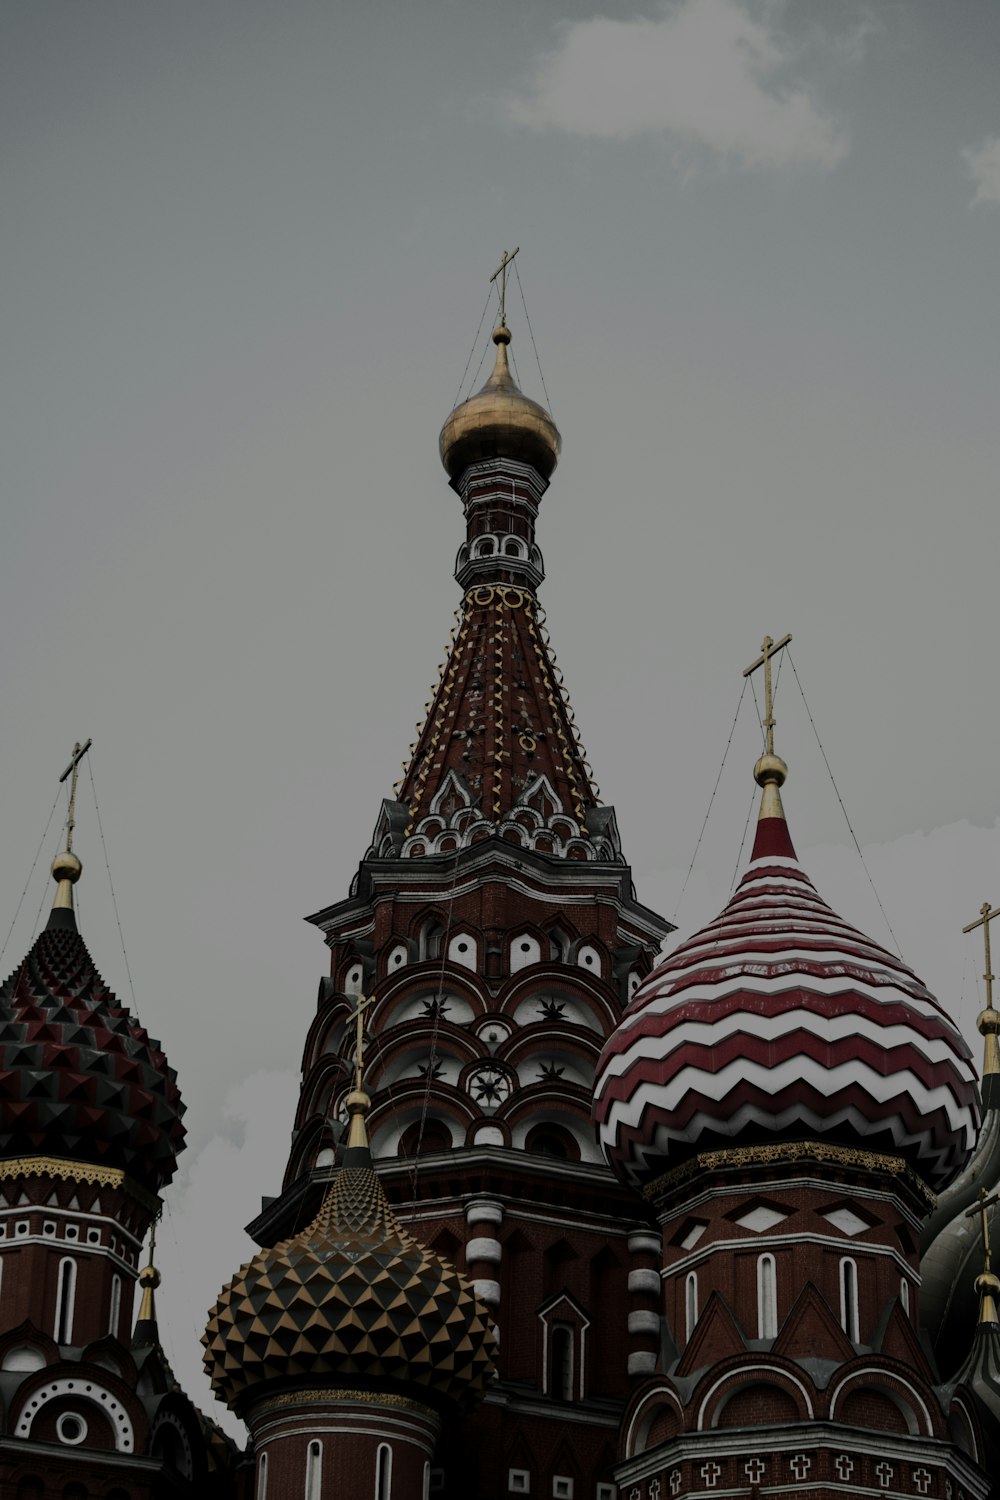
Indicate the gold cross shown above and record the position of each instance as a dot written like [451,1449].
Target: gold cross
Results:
[984,1203]
[359,1055]
[769,649]
[79,751]
[983,920]
[501,271]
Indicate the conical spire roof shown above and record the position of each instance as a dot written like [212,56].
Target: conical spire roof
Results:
[779,1020]
[353,1299]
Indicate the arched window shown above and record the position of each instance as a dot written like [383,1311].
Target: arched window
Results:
[562,1362]
[262,1477]
[431,940]
[849,1299]
[65,1301]
[314,1471]
[904,1293]
[690,1302]
[767,1298]
[383,1472]
[417,1140]
[116,1306]
[426,1488]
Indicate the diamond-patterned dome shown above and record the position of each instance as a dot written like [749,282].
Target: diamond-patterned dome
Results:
[355,1299]
[79,1077]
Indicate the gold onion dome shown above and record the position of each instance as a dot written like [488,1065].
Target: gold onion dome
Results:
[500,422]
[353,1299]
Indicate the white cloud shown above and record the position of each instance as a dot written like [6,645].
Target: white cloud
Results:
[982,163]
[701,72]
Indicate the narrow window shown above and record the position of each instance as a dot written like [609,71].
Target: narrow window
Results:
[849,1299]
[691,1302]
[116,1306]
[65,1301]
[767,1298]
[383,1472]
[904,1293]
[314,1471]
[262,1478]
[562,1362]
[425,1492]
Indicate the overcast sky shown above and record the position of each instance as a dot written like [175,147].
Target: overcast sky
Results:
[244,250]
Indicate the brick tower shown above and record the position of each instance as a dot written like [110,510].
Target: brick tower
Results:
[90,1128]
[789,1097]
[493,926]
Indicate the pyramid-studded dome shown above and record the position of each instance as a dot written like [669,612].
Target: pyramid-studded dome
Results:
[500,421]
[780,1021]
[353,1298]
[79,1077]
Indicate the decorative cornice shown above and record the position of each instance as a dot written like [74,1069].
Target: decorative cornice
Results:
[335,1394]
[781,1153]
[64,1170]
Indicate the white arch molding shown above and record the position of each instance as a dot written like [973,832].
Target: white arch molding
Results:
[83,1390]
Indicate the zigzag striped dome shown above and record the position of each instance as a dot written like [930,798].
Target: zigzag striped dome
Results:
[781,1021]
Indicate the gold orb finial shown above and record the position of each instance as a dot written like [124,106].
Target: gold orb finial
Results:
[770,770]
[67,866]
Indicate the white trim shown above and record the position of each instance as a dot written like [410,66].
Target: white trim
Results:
[690,1304]
[773,1242]
[850,1320]
[65,1300]
[767,1296]
[262,1477]
[383,1472]
[731,1375]
[115,1310]
[880,1384]
[314,1470]
[82,1390]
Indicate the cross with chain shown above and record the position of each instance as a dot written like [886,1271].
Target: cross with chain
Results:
[79,751]
[359,1054]
[992,1059]
[983,920]
[768,648]
[985,1202]
[501,271]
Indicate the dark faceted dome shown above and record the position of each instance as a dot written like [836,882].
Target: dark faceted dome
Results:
[353,1299]
[79,1077]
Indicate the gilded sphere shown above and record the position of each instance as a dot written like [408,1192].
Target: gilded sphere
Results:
[770,769]
[988,1022]
[988,1282]
[357,1100]
[499,422]
[66,866]
[149,1276]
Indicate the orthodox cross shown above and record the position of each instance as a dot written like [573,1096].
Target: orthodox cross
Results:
[359,1055]
[980,1208]
[769,648]
[79,751]
[983,920]
[501,271]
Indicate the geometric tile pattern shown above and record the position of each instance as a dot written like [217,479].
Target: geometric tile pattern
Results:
[353,1298]
[780,1020]
[79,1077]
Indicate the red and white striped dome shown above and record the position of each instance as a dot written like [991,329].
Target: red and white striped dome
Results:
[780,1020]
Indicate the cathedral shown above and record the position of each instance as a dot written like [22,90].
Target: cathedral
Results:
[562,1217]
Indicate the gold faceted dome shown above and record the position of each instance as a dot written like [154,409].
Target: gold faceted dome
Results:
[499,422]
[352,1300]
